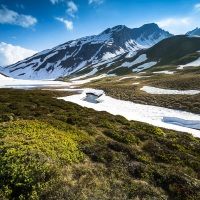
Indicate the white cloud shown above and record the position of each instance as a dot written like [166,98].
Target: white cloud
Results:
[177,25]
[173,22]
[11,17]
[197,6]
[72,8]
[95,1]
[10,54]
[68,24]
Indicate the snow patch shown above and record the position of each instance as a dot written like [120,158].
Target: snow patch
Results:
[131,54]
[195,63]
[2,77]
[193,36]
[144,66]
[79,82]
[181,122]
[164,72]
[127,77]
[150,114]
[154,90]
[85,75]
[108,55]
[27,84]
[140,59]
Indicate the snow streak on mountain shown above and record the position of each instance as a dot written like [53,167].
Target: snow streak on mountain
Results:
[72,56]
[195,32]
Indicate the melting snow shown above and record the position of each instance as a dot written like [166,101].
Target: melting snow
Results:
[144,66]
[131,54]
[195,63]
[158,116]
[2,77]
[150,114]
[79,82]
[164,72]
[127,77]
[154,90]
[85,75]
[108,55]
[187,123]
[140,59]
[6,82]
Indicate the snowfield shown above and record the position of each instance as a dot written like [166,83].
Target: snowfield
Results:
[76,81]
[140,59]
[6,82]
[195,63]
[158,116]
[144,66]
[154,90]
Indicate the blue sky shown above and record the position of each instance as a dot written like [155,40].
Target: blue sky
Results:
[42,24]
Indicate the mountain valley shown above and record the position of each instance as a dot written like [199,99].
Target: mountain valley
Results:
[119,118]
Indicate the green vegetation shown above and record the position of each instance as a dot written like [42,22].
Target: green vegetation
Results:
[168,52]
[52,149]
[31,156]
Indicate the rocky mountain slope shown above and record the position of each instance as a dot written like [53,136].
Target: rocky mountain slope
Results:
[74,55]
[194,32]
[167,54]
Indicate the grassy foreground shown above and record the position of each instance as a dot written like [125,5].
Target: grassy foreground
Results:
[52,149]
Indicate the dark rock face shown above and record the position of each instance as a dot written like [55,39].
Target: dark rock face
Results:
[74,55]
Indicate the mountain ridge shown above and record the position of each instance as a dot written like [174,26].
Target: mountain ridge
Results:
[73,55]
[194,32]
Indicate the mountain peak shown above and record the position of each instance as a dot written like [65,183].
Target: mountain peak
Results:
[194,32]
[113,29]
[154,25]
[75,55]
[118,27]
[151,27]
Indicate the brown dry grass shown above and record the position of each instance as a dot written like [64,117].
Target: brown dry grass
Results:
[125,90]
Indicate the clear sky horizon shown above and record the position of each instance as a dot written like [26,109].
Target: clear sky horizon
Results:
[43,24]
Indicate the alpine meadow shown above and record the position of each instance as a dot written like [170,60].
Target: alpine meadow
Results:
[99,100]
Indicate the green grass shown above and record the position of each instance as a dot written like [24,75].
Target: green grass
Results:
[31,156]
[52,149]
[168,52]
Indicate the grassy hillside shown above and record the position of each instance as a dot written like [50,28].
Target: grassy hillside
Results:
[126,90]
[175,50]
[52,149]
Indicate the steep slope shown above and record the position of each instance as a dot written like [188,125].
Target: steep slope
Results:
[170,52]
[195,32]
[74,55]
[3,77]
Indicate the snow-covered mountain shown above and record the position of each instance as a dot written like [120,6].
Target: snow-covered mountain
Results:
[195,32]
[167,54]
[3,77]
[74,55]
